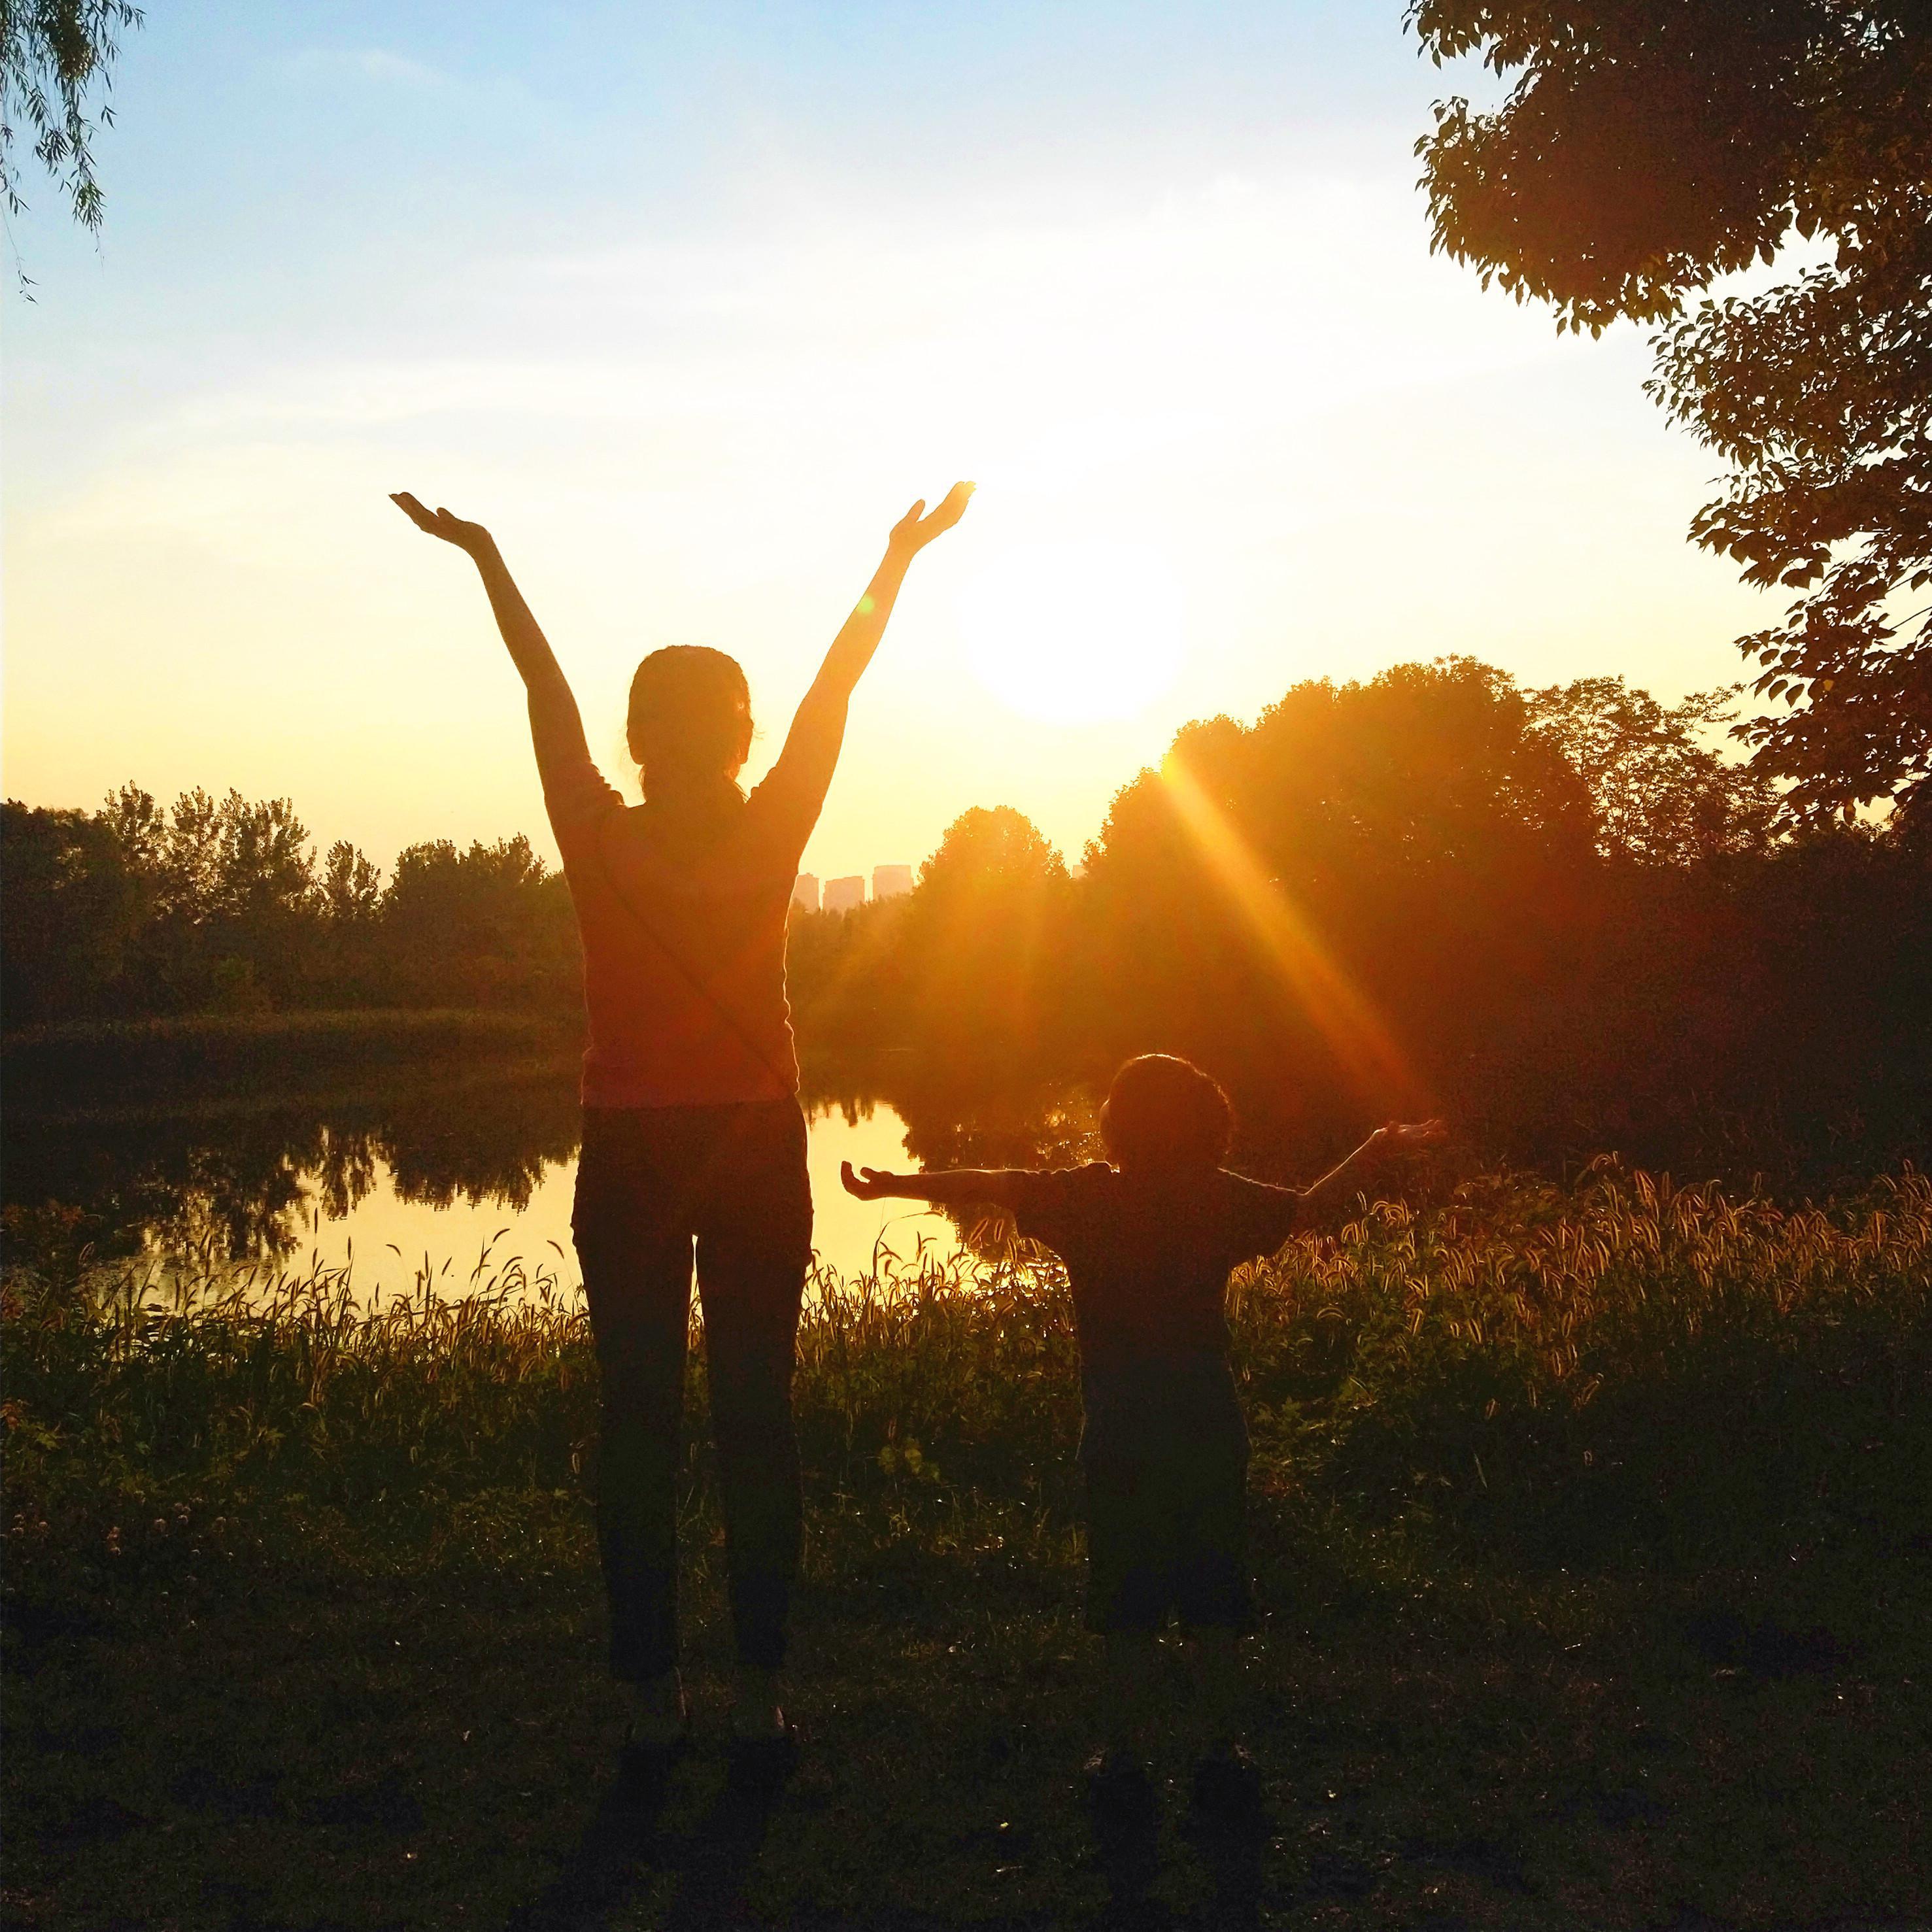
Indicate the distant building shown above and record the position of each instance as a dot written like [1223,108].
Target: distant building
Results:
[845,895]
[890,881]
[805,892]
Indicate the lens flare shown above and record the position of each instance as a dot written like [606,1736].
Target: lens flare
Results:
[1365,1048]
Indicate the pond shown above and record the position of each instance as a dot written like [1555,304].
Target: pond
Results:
[445,1182]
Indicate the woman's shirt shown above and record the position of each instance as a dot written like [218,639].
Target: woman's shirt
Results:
[683,913]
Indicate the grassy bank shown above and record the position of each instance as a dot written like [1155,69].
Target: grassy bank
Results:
[1592,1526]
[84,1062]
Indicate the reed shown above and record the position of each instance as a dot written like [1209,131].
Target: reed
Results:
[1561,1370]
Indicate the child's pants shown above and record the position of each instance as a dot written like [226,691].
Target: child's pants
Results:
[1164,1453]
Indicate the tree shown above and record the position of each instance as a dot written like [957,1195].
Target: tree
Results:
[52,54]
[351,886]
[489,927]
[1647,147]
[977,946]
[1662,797]
[71,909]
[227,891]
[1354,893]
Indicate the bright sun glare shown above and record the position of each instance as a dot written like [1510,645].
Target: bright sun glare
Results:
[1075,631]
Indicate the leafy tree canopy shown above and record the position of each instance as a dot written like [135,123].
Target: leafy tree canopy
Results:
[975,945]
[1662,795]
[1646,147]
[53,53]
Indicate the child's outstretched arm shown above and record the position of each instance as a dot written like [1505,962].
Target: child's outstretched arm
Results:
[954,1187]
[817,731]
[556,727]
[1395,1137]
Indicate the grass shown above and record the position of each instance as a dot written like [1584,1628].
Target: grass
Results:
[1591,1525]
[66,1067]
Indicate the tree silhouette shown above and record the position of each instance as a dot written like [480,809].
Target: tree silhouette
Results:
[52,54]
[1646,149]
[71,908]
[1663,796]
[975,950]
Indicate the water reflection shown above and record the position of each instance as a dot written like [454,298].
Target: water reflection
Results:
[436,1174]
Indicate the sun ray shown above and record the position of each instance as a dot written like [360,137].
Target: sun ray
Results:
[1365,1047]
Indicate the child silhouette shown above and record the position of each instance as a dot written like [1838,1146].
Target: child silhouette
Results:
[1149,1238]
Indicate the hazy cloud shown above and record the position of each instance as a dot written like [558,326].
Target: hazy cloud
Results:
[375,64]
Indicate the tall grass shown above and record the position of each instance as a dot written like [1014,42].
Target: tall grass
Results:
[1564,1372]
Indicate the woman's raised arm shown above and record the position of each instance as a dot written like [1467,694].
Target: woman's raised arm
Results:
[557,726]
[858,639]
[811,746]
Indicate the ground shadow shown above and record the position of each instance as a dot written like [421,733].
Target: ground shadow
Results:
[716,1859]
[620,1845]
[1127,1854]
[1232,1851]
[625,1844]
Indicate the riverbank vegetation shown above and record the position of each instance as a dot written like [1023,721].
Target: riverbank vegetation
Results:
[1589,1523]
[72,1065]
[1559,916]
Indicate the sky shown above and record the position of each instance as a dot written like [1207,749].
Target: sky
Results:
[687,303]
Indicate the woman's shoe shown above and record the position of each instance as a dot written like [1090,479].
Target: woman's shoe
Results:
[657,1727]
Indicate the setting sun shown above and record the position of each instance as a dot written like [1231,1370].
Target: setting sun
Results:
[1074,632]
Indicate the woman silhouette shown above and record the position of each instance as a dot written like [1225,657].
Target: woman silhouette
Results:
[693,1140]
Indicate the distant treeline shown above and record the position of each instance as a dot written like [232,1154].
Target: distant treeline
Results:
[224,906]
[1563,915]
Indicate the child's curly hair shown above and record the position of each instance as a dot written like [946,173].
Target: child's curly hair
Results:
[1162,1111]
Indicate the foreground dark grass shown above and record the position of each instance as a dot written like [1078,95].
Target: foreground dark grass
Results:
[1592,1529]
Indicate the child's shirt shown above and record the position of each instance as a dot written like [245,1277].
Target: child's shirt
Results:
[1148,1262]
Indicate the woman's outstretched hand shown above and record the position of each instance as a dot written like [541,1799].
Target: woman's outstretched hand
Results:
[471,538]
[869,1183]
[1407,1138]
[915,529]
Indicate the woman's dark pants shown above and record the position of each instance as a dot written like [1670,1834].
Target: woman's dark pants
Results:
[654,1184]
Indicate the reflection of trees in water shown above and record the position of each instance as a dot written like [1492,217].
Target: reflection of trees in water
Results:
[851,1108]
[952,1122]
[233,1203]
[346,1173]
[490,1146]
[1038,1125]
[249,1183]
[828,1089]
[245,1186]
[956,1119]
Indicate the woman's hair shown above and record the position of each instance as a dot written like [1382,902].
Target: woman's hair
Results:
[1162,1111]
[689,724]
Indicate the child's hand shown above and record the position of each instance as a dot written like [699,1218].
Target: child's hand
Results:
[869,1183]
[1407,1138]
